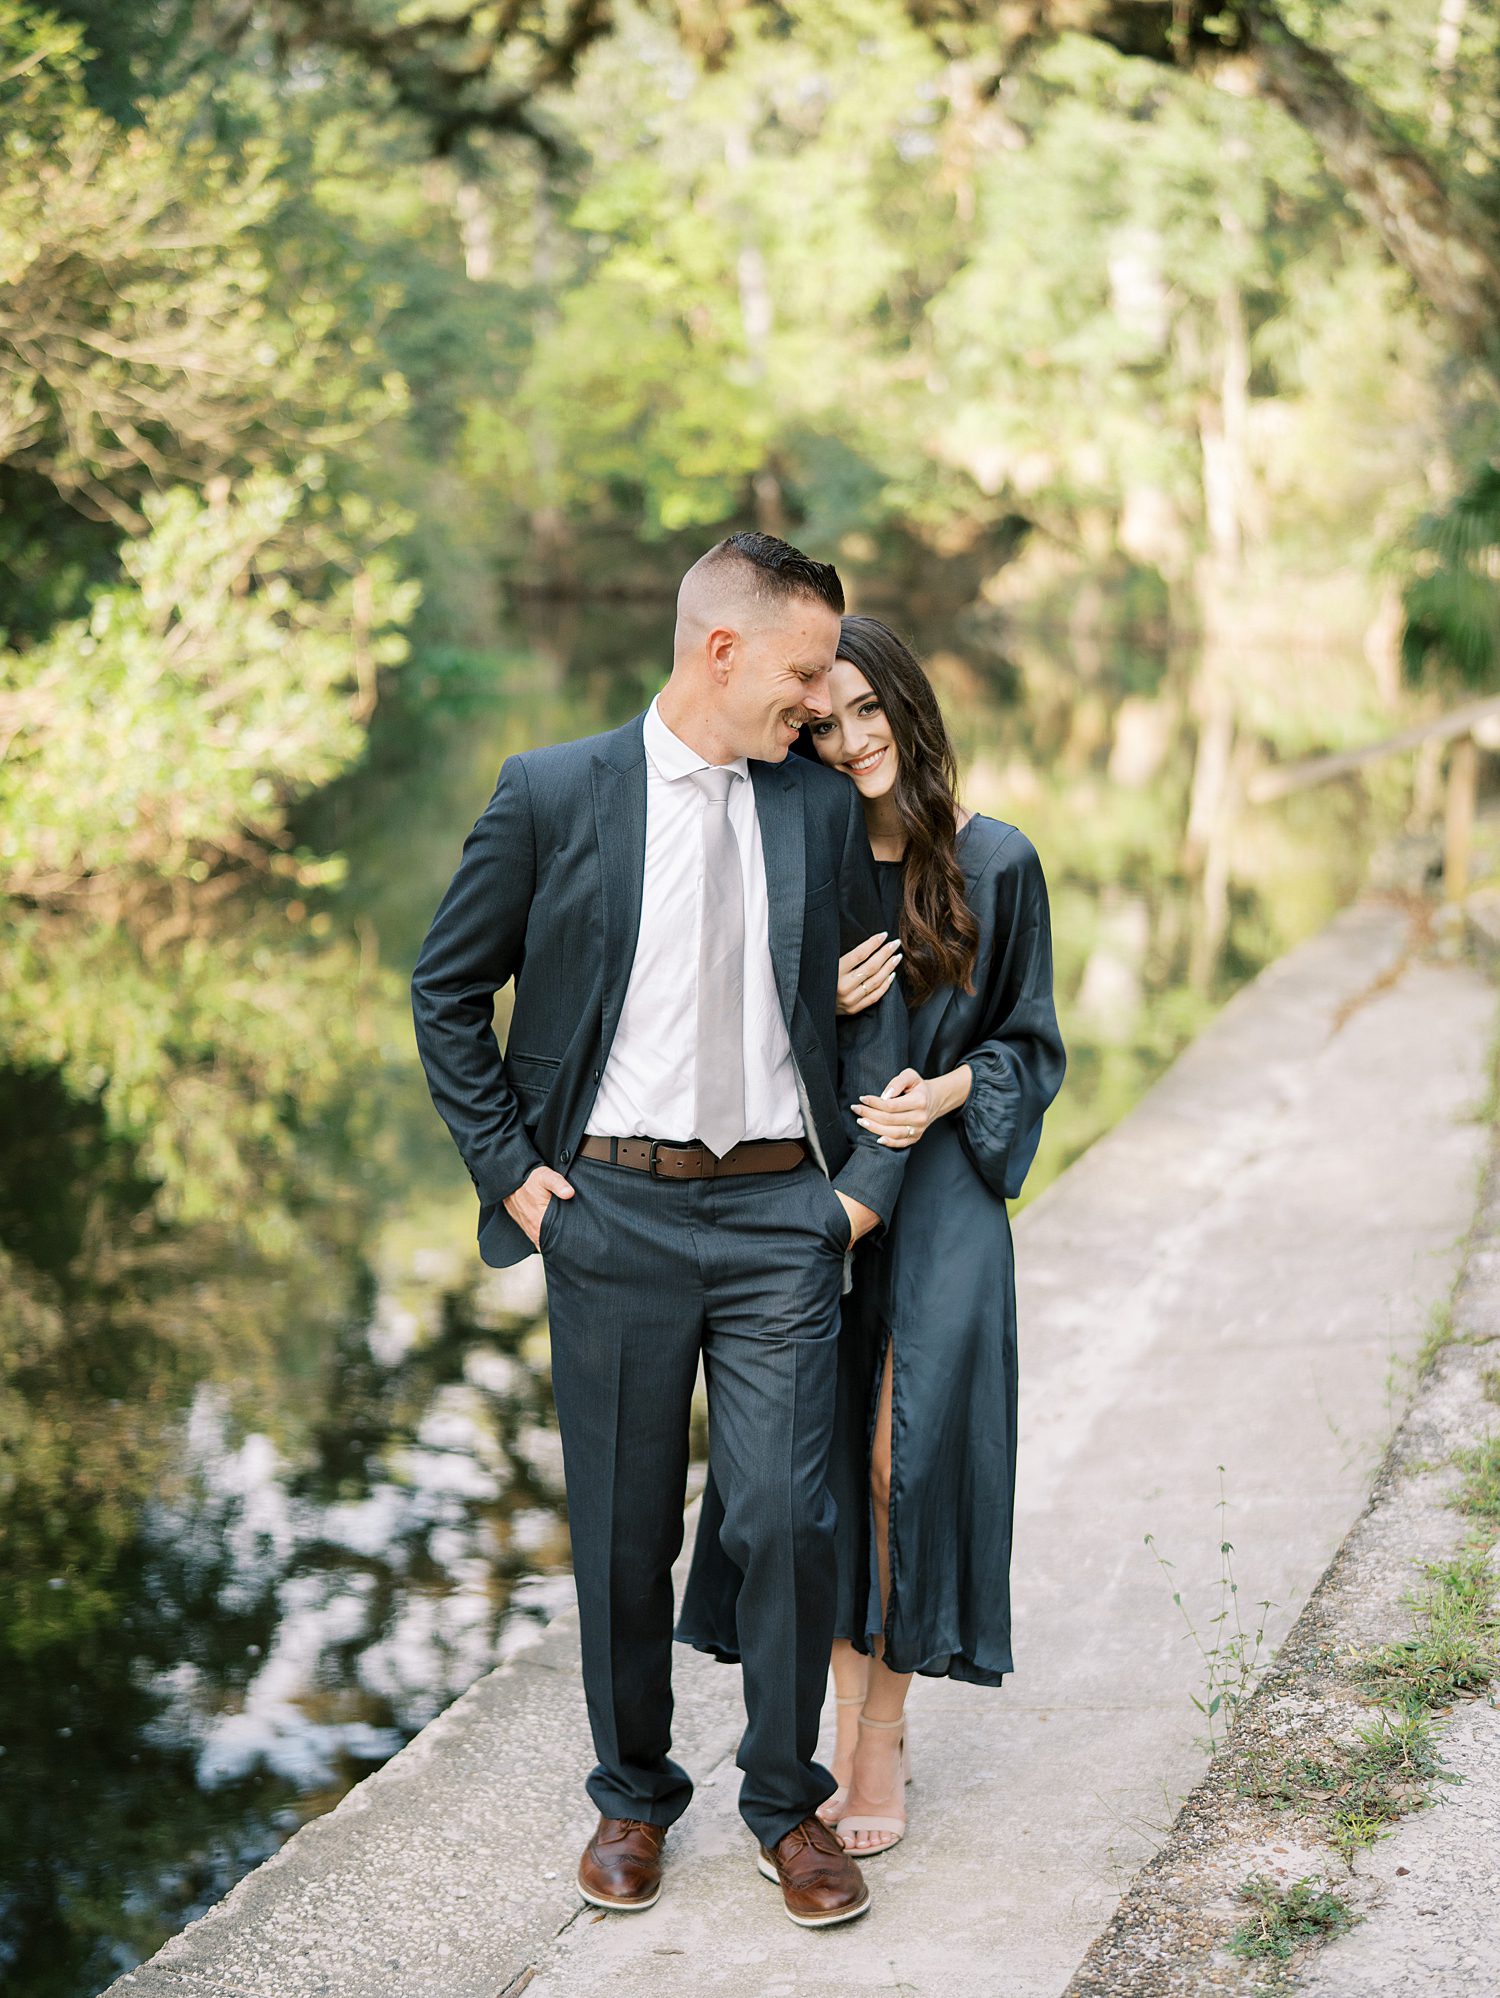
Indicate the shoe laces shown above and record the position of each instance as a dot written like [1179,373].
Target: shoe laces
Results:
[823,1839]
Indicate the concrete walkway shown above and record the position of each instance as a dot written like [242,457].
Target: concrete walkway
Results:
[1233,1277]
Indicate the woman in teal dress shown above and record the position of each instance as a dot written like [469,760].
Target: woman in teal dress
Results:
[924,1449]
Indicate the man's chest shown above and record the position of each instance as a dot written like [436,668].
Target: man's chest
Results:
[675,873]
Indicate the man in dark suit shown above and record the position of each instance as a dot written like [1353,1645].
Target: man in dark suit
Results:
[671,1126]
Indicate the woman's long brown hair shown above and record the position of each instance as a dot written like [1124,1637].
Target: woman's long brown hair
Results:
[939,935]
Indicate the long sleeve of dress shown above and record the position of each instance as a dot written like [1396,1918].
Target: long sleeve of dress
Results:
[1019,1061]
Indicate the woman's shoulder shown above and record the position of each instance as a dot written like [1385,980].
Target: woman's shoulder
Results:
[986,843]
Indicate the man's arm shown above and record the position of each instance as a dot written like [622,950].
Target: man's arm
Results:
[473,948]
[871,1044]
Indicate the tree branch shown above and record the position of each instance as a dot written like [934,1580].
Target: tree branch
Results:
[481,69]
[1443,240]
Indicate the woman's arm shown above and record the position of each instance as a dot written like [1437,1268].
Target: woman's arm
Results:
[1018,1063]
[1005,1082]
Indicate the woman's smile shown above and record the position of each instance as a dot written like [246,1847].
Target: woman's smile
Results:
[861,766]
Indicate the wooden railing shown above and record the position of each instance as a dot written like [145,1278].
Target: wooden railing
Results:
[1470,728]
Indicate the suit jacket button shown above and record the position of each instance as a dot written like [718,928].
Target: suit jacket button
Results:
[565,1157]
[597,1073]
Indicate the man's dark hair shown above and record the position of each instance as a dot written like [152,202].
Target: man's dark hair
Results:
[784,571]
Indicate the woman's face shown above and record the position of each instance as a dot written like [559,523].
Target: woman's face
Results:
[856,738]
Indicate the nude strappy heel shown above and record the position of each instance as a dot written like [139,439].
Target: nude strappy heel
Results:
[828,1811]
[890,1825]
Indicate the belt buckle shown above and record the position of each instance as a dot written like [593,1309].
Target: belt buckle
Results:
[652,1147]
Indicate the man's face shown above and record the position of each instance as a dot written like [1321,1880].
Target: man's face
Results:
[778,677]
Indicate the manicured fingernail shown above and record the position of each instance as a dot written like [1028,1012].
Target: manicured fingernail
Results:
[863,1125]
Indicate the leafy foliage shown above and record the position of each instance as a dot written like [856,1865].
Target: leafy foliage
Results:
[1283,1917]
[1453,602]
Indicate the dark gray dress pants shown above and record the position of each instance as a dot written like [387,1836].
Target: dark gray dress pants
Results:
[643,1274]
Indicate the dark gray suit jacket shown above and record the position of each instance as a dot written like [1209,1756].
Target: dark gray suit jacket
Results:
[549,893]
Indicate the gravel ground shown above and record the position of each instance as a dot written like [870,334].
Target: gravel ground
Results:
[1427,1896]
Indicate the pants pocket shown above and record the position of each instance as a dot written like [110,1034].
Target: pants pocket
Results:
[548,1229]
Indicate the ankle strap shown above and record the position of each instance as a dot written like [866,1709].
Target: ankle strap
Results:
[865,1721]
[848,1699]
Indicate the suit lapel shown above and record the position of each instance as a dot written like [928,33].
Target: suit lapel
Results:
[619,774]
[778,807]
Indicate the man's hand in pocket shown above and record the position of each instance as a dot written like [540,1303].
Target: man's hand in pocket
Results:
[529,1202]
[861,1219]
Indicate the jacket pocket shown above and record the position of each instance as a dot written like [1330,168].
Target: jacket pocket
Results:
[531,1077]
[543,1067]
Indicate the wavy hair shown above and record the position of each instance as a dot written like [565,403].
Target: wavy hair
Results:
[939,934]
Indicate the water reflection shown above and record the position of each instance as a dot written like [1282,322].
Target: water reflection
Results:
[232,1590]
[278,1471]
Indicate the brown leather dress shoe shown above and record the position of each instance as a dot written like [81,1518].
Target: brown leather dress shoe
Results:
[820,1883]
[621,1864]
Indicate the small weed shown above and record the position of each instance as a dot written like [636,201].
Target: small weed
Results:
[1480,1495]
[1489,1382]
[1294,1784]
[1352,1831]
[1282,1917]
[1377,1779]
[1456,1648]
[1312,1776]
[1230,1653]
[1399,1743]
[1438,1335]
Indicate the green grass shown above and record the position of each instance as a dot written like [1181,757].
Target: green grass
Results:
[1283,1917]
[1480,1494]
[1359,1790]
[1489,1382]
[1353,1830]
[1454,1650]
[1398,1743]
[1439,1334]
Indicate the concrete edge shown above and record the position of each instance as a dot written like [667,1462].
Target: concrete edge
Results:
[1166,1938]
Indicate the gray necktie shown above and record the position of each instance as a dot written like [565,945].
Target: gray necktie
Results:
[719,1093]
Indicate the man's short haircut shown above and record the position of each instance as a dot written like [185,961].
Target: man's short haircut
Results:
[781,570]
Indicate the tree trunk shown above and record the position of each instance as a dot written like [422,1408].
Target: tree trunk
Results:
[1450,31]
[552,545]
[758,321]
[1444,242]
[1450,252]
[1458,819]
[1213,806]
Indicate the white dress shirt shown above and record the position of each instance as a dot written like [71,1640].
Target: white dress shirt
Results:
[647,1090]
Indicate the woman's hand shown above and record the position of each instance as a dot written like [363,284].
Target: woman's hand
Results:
[908,1105]
[900,1115]
[865,973]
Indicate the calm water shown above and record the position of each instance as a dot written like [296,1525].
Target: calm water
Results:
[277,1467]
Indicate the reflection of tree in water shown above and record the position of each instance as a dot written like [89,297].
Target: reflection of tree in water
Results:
[263,1518]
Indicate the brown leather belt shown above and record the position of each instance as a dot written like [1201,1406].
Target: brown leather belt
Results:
[695,1160]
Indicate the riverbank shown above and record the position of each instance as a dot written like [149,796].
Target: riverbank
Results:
[1234,1277]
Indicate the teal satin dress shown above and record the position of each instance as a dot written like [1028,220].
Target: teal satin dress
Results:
[938,1286]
